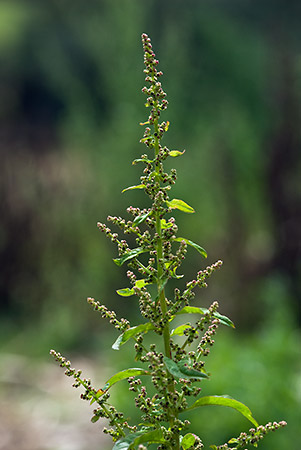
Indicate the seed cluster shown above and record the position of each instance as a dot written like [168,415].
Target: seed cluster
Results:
[253,437]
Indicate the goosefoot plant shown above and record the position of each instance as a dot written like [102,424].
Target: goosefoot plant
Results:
[175,363]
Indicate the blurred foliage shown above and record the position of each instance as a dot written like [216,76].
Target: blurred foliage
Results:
[70,109]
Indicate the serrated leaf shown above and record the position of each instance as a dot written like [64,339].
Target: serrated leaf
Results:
[129,255]
[179,204]
[216,400]
[134,439]
[130,188]
[131,332]
[188,441]
[224,320]
[179,331]
[200,249]
[175,153]
[179,370]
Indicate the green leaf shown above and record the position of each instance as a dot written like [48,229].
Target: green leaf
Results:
[130,188]
[180,370]
[192,310]
[129,255]
[141,160]
[131,332]
[134,439]
[175,153]
[188,441]
[224,401]
[165,224]
[200,249]
[224,320]
[179,204]
[94,418]
[179,331]
[141,218]
[132,372]
[127,292]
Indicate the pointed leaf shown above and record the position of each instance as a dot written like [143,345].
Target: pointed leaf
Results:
[129,255]
[179,204]
[134,439]
[188,441]
[175,153]
[179,370]
[200,249]
[179,331]
[224,401]
[130,188]
[224,320]
[131,332]
[141,218]
[141,160]
[165,224]
[126,292]
[132,372]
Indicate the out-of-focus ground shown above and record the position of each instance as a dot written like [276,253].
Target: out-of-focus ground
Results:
[40,411]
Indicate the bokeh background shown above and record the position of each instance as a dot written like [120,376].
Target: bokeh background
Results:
[71,102]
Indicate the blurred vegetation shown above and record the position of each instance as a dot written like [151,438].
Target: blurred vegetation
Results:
[70,109]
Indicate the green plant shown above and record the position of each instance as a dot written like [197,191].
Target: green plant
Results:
[176,363]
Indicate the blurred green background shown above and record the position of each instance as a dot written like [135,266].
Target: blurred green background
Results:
[71,103]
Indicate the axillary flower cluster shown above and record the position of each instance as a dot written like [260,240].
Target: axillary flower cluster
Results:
[175,363]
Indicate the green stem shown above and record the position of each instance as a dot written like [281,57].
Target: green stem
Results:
[161,291]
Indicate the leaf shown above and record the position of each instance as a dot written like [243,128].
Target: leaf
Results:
[141,160]
[165,224]
[134,439]
[172,271]
[129,255]
[200,249]
[141,218]
[132,372]
[224,320]
[224,401]
[130,188]
[127,292]
[188,441]
[94,418]
[179,370]
[175,153]
[179,204]
[131,332]
[179,331]
[192,310]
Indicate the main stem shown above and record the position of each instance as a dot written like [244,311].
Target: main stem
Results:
[161,293]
